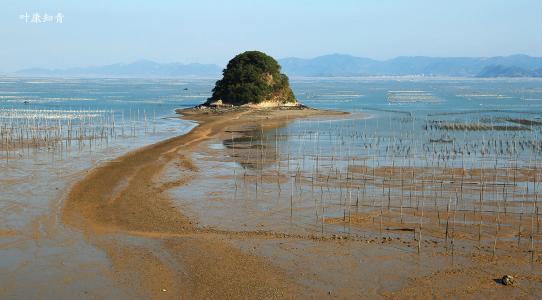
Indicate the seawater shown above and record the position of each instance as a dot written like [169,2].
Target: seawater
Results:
[37,251]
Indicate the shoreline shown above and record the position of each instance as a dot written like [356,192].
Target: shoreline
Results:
[352,228]
[123,197]
[156,246]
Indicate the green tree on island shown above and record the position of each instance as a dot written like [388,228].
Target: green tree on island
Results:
[252,77]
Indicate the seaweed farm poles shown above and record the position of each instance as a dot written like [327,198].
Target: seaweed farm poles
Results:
[56,131]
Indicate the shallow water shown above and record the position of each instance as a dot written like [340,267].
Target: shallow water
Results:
[393,131]
[307,177]
[39,256]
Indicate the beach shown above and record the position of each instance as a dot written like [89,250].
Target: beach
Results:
[398,200]
[124,208]
[120,198]
[273,150]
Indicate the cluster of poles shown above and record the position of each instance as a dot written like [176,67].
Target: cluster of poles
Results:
[433,184]
[29,130]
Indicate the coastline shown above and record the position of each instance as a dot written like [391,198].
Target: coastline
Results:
[123,198]
[157,249]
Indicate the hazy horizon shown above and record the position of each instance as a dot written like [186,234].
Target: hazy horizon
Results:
[143,59]
[211,32]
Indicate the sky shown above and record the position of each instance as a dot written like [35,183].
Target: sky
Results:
[99,32]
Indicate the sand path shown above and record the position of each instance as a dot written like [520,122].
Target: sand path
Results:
[125,198]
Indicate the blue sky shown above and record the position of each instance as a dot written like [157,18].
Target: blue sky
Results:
[96,32]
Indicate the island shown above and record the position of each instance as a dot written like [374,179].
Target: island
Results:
[252,78]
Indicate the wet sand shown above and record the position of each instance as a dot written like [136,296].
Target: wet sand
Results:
[160,250]
[124,198]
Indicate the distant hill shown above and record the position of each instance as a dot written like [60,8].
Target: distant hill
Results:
[329,65]
[504,71]
[141,68]
[347,65]
[332,65]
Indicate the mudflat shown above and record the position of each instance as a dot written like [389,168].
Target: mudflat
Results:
[156,249]
[122,198]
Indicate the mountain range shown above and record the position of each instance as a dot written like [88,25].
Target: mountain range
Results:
[140,68]
[346,65]
[333,65]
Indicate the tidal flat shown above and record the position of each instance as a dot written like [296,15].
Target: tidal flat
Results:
[382,202]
